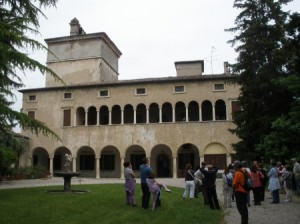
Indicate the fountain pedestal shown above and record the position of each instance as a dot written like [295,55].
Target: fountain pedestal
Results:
[67,179]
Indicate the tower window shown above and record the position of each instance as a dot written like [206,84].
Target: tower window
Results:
[179,89]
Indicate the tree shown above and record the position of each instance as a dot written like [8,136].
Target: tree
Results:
[283,141]
[18,18]
[262,41]
[11,149]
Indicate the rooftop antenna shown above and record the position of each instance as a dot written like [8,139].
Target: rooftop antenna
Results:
[211,60]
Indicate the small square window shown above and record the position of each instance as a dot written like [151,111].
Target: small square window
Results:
[140,91]
[103,93]
[219,86]
[32,98]
[179,89]
[67,95]
[31,113]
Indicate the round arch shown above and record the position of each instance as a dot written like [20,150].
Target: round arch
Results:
[110,162]
[59,158]
[40,158]
[215,154]
[187,153]
[135,155]
[85,161]
[161,160]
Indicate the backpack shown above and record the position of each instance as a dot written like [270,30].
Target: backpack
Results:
[248,181]
[229,181]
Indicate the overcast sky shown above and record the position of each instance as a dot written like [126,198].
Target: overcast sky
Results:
[151,34]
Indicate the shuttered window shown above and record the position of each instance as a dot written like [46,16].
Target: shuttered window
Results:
[67,117]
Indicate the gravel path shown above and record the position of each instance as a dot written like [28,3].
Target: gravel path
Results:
[267,213]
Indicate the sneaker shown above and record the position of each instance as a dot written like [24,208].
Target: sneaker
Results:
[168,190]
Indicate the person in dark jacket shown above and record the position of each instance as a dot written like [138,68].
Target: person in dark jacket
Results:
[203,186]
[210,176]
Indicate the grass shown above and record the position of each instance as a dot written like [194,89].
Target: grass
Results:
[103,203]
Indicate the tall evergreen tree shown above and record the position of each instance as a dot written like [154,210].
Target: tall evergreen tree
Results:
[260,40]
[18,18]
[283,141]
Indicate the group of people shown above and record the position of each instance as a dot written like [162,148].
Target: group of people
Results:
[277,176]
[203,179]
[148,183]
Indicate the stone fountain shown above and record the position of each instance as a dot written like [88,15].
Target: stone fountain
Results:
[67,174]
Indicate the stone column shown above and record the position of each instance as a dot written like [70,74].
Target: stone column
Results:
[51,166]
[74,164]
[122,116]
[109,117]
[200,114]
[228,159]
[147,116]
[173,114]
[122,168]
[86,118]
[160,115]
[227,112]
[75,116]
[134,116]
[174,167]
[187,114]
[97,167]
[214,113]
[98,117]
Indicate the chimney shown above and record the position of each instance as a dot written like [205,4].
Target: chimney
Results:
[226,68]
[75,28]
[189,68]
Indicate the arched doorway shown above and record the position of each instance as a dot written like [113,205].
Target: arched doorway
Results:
[161,161]
[163,164]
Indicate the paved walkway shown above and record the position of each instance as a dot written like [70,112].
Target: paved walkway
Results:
[264,214]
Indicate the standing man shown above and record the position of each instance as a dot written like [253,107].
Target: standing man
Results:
[240,192]
[210,176]
[296,171]
[203,186]
[145,172]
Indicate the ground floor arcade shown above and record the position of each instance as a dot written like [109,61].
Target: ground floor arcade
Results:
[108,162]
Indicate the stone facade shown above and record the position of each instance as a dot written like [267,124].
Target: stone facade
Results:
[103,121]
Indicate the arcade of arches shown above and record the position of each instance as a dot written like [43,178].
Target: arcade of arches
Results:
[193,111]
[108,162]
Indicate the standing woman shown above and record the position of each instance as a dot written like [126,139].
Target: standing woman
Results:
[274,184]
[257,177]
[263,181]
[288,183]
[189,182]
[227,187]
[130,183]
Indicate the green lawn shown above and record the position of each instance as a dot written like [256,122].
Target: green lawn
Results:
[103,203]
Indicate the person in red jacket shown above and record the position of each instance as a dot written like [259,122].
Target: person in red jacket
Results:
[257,177]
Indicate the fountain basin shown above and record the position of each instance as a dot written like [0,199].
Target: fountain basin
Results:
[67,179]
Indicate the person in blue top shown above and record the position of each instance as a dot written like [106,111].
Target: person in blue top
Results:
[145,172]
[274,184]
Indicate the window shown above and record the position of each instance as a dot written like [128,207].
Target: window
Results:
[87,162]
[179,89]
[31,113]
[32,98]
[103,93]
[140,91]
[235,107]
[107,162]
[219,87]
[67,95]
[67,118]
[137,160]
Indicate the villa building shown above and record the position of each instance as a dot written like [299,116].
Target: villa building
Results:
[103,121]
